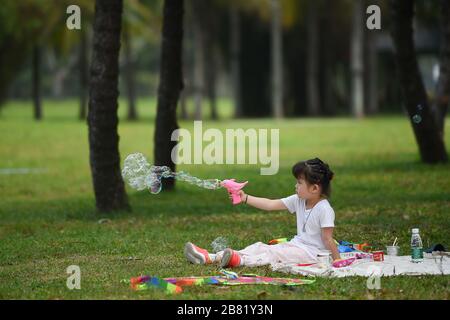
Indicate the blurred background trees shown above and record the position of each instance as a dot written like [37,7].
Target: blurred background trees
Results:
[316,57]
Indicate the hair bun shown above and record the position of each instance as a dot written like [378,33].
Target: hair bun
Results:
[330,175]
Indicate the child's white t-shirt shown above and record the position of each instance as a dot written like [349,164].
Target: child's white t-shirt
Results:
[320,216]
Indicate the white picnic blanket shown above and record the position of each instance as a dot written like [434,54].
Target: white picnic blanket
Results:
[391,266]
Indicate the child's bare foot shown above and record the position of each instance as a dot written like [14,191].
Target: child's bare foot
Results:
[196,254]
[230,259]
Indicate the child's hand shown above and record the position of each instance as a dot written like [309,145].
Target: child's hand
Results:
[241,194]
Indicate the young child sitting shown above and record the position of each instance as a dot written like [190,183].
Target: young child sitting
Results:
[315,224]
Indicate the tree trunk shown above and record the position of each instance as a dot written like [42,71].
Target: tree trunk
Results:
[188,69]
[102,116]
[357,60]
[36,86]
[210,54]
[199,57]
[431,144]
[83,69]
[371,74]
[441,101]
[170,85]
[312,59]
[277,59]
[235,45]
[328,52]
[129,75]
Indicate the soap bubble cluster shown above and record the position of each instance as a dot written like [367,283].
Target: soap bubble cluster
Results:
[219,244]
[140,175]
[416,118]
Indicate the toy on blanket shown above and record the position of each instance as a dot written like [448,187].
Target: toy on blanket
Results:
[345,246]
[340,263]
[277,241]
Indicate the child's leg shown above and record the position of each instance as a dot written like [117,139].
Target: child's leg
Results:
[254,255]
[289,253]
[255,249]
[260,254]
[198,255]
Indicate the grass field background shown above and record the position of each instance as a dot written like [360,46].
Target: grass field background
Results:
[48,219]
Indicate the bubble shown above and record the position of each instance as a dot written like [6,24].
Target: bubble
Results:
[140,175]
[419,107]
[154,184]
[136,171]
[416,118]
[219,244]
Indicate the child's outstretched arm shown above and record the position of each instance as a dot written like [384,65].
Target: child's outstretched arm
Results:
[262,203]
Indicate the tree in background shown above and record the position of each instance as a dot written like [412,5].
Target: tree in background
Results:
[29,29]
[140,26]
[235,58]
[102,116]
[312,58]
[357,59]
[199,34]
[83,67]
[36,81]
[130,83]
[14,44]
[441,100]
[276,38]
[426,130]
[170,86]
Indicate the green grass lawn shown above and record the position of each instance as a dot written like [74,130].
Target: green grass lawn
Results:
[48,219]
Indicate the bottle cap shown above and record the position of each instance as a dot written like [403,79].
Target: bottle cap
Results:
[415,230]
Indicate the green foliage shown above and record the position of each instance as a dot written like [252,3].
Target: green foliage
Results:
[48,220]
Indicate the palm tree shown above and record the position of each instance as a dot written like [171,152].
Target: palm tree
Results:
[102,116]
[170,85]
[431,144]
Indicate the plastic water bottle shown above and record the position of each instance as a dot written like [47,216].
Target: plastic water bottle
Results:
[416,246]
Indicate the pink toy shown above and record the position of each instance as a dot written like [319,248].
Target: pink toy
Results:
[343,262]
[233,188]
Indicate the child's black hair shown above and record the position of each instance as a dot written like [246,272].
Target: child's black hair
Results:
[315,171]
